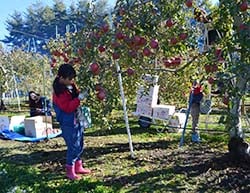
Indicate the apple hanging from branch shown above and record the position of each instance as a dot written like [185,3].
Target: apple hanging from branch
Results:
[95,68]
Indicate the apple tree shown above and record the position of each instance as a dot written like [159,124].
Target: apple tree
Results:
[232,49]
[143,37]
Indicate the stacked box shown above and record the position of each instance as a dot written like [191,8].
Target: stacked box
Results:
[144,111]
[36,127]
[146,100]
[163,111]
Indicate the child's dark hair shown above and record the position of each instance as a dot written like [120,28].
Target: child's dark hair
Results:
[64,71]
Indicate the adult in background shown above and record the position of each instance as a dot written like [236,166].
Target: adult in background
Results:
[39,105]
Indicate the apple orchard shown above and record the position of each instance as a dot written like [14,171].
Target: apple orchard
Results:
[156,38]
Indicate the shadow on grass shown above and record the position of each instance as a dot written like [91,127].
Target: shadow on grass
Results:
[219,174]
[58,156]
[196,169]
[119,128]
[26,179]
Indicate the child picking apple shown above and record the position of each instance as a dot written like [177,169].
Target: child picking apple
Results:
[66,101]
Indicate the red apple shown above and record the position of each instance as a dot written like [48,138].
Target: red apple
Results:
[218,52]
[101,48]
[130,71]
[80,51]
[52,64]
[243,6]
[154,44]
[105,28]
[225,100]
[101,95]
[146,52]
[176,61]
[76,60]
[210,80]
[56,53]
[88,45]
[214,68]
[115,44]
[169,23]
[95,68]
[137,40]
[53,60]
[65,58]
[133,53]
[116,55]
[98,87]
[189,3]
[183,36]
[142,41]
[167,62]
[129,24]
[208,68]
[173,41]
[119,35]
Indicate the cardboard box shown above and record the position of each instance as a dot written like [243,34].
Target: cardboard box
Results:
[163,111]
[147,98]
[144,100]
[144,110]
[35,127]
[4,123]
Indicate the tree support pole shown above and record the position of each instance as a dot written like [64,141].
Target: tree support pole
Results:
[125,109]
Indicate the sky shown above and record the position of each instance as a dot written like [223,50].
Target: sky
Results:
[8,7]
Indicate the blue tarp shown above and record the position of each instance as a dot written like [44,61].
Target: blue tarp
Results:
[6,134]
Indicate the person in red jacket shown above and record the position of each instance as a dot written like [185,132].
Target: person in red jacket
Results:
[66,100]
[197,95]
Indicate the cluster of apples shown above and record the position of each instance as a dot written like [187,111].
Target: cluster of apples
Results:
[100,92]
[172,62]
[65,56]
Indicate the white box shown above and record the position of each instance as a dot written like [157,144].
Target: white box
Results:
[144,111]
[147,98]
[35,127]
[144,100]
[163,111]
[16,121]
[177,121]
[4,123]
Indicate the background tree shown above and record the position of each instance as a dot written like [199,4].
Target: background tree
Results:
[234,21]
[40,23]
[96,48]
[24,71]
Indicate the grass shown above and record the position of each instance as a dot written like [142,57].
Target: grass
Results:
[159,165]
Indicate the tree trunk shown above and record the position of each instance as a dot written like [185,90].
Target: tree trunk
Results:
[238,148]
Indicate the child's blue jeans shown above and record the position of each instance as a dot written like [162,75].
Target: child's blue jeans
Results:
[74,140]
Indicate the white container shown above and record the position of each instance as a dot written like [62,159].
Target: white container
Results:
[163,111]
[35,127]
[4,123]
